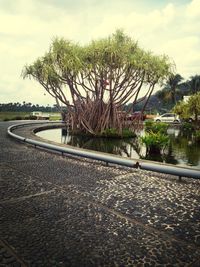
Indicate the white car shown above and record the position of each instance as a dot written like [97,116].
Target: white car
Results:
[168,117]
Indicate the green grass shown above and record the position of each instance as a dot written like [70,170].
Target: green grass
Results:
[12,115]
[54,118]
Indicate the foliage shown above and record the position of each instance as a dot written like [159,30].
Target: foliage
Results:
[181,108]
[171,88]
[189,109]
[30,117]
[6,116]
[25,107]
[17,118]
[110,71]
[128,133]
[162,100]
[154,141]
[186,126]
[197,136]
[194,84]
[113,132]
[156,137]
[156,127]
[194,105]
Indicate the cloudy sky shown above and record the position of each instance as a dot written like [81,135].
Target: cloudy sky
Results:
[28,26]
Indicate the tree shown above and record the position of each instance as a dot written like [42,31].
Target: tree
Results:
[181,108]
[171,88]
[194,84]
[190,108]
[95,81]
[194,105]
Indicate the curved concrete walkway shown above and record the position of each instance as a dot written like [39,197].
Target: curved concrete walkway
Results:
[66,211]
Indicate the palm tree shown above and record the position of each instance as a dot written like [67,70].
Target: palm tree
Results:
[194,84]
[171,87]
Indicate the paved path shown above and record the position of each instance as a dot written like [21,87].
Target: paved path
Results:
[65,211]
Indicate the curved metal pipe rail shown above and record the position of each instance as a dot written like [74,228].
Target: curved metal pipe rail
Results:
[133,163]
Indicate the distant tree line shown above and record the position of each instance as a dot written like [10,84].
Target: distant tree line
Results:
[26,107]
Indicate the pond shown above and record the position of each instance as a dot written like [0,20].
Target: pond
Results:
[182,149]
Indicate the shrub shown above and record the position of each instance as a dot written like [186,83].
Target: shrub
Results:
[155,141]
[6,119]
[197,136]
[17,118]
[112,132]
[156,127]
[186,126]
[30,117]
[128,133]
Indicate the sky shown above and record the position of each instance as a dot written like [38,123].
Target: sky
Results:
[27,28]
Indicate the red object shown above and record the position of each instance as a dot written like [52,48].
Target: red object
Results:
[105,82]
[137,115]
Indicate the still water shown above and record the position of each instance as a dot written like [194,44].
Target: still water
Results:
[182,149]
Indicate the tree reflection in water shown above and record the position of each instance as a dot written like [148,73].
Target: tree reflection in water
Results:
[182,149]
[186,149]
[122,147]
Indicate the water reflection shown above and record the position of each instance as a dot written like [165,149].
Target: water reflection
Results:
[185,148]
[121,147]
[182,149]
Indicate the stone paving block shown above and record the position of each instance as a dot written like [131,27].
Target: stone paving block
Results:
[14,184]
[6,144]
[64,230]
[164,204]
[16,155]
[7,258]
[69,212]
[61,171]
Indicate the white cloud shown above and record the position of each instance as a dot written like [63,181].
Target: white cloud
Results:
[185,51]
[28,26]
[193,9]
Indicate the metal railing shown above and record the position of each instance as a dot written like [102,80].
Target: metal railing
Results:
[133,163]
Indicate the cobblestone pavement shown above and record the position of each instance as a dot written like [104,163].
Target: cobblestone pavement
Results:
[67,211]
